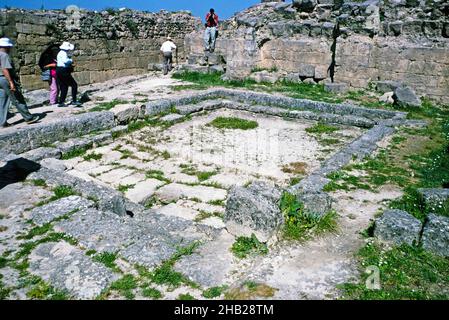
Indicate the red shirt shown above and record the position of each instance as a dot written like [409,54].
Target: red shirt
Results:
[209,23]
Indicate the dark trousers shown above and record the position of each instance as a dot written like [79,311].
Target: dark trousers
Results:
[65,80]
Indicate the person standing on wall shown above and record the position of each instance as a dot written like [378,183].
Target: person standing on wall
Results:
[210,34]
[47,63]
[167,52]
[64,69]
[9,87]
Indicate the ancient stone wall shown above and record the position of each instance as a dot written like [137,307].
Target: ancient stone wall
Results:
[355,42]
[109,44]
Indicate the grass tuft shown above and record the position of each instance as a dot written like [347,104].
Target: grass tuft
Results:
[247,246]
[233,123]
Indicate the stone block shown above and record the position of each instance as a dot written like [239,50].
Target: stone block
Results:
[398,227]
[435,236]
[336,87]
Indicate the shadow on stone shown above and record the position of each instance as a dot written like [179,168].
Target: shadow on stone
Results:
[17,170]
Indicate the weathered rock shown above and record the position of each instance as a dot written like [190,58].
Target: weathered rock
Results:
[397,226]
[264,76]
[435,236]
[54,164]
[336,87]
[387,86]
[175,191]
[172,117]
[59,208]
[42,153]
[254,209]
[316,202]
[125,113]
[306,70]
[405,96]
[387,97]
[68,269]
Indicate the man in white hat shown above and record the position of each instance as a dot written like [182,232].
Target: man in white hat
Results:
[64,69]
[167,52]
[10,92]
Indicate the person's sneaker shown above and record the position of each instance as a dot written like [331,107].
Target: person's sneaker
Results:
[33,120]
[75,103]
[62,105]
[6,125]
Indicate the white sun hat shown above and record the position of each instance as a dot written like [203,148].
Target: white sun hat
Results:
[6,42]
[67,46]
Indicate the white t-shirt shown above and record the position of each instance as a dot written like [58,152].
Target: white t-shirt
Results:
[168,46]
[63,60]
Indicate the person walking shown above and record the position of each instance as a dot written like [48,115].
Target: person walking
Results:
[210,34]
[167,52]
[10,92]
[47,63]
[64,69]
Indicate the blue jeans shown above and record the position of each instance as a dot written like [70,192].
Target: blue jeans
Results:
[209,38]
[15,98]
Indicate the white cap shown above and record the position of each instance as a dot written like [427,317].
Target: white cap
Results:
[67,46]
[6,42]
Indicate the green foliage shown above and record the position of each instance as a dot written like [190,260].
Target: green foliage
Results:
[124,188]
[300,223]
[92,156]
[248,246]
[185,296]
[108,259]
[133,27]
[192,171]
[44,291]
[62,192]
[233,123]
[77,152]
[39,182]
[165,274]
[406,272]
[156,174]
[214,292]
[104,106]
[125,286]
[37,231]
[151,293]
[320,128]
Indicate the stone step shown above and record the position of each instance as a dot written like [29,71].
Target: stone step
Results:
[200,106]
[206,59]
[202,69]
[176,191]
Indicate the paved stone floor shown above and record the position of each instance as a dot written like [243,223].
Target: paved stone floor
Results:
[177,175]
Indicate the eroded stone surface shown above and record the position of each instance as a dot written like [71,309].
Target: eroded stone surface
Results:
[398,227]
[69,269]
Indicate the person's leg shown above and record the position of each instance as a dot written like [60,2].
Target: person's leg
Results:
[165,64]
[64,88]
[213,33]
[4,104]
[169,61]
[72,83]
[18,100]
[206,38]
[53,91]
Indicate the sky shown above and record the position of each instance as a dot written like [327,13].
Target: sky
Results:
[224,8]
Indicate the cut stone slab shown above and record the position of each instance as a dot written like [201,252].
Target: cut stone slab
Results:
[175,191]
[436,200]
[254,210]
[398,227]
[143,191]
[316,202]
[68,268]
[336,87]
[172,117]
[405,96]
[214,222]
[42,153]
[59,208]
[387,86]
[175,210]
[86,177]
[212,263]
[132,179]
[435,236]
[115,176]
[98,170]
[54,164]
[125,113]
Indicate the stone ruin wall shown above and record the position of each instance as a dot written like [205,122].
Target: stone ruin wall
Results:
[109,44]
[403,40]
